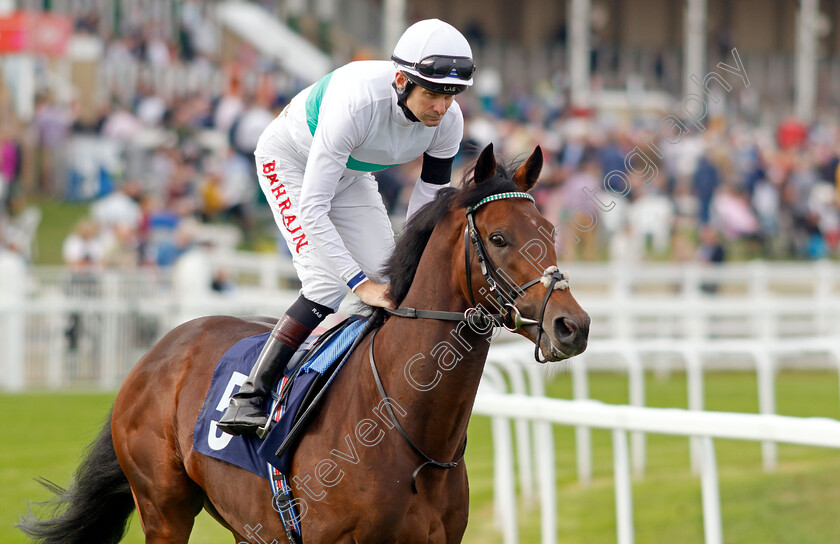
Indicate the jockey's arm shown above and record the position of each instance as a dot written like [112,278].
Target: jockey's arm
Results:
[434,176]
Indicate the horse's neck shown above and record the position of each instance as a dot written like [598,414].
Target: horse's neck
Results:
[432,368]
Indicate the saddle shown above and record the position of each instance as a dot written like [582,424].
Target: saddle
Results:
[295,397]
[305,379]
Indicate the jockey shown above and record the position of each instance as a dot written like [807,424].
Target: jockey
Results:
[314,163]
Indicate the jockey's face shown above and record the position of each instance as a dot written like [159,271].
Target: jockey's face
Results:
[426,105]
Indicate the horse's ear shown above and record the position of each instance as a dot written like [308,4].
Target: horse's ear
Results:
[485,166]
[526,175]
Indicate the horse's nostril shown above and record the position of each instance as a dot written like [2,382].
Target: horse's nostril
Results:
[565,329]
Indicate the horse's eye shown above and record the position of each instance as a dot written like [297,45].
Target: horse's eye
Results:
[498,240]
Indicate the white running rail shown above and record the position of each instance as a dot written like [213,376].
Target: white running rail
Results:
[621,419]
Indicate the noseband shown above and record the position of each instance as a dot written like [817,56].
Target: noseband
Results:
[504,291]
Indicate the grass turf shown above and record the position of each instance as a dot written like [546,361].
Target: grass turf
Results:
[57,222]
[796,504]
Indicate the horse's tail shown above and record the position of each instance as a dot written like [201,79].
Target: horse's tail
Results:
[96,506]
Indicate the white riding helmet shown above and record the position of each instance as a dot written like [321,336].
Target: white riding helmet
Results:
[434,55]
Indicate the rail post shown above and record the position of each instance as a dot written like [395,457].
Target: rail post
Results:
[12,319]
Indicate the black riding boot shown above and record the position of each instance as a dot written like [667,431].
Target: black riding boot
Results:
[247,410]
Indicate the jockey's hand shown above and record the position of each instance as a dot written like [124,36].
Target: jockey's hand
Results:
[375,294]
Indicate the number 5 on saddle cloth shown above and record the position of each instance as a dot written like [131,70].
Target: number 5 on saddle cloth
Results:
[306,376]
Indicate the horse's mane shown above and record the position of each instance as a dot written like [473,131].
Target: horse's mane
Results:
[402,266]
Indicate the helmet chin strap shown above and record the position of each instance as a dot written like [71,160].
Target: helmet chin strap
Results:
[402,96]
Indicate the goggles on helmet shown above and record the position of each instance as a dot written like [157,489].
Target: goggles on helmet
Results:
[440,88]
[437,66]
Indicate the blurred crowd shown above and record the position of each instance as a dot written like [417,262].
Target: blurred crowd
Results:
[180,169]
[733,191]
[157,167]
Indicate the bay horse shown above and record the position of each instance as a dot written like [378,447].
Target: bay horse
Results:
[356,471]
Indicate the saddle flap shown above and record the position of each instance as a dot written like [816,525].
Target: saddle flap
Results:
[314,373]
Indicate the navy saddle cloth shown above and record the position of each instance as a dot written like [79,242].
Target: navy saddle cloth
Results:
[312,368]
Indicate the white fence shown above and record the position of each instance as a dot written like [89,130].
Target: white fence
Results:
[63,329]
[510,368]
[513,363]
[703,426]
[765,356]
[760,300]
[743,300]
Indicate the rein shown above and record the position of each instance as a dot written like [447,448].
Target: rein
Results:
[426,459]
[504,293]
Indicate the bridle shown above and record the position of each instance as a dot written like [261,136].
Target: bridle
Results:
[504,291]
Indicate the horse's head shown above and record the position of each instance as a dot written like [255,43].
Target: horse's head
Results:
[510,262]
